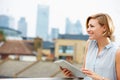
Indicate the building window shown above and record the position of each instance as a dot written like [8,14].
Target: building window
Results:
[66,49]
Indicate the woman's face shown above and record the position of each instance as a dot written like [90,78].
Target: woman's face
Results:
[95,30]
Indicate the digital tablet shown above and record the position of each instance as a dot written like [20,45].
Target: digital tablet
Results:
[75,71]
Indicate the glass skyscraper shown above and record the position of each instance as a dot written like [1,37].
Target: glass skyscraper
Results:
[42,22]
[22,27]
[73,28]
[54,33]
[4,21]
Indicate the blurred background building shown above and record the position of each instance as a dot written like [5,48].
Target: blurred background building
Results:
[73,28]
[42,22]
[22,27]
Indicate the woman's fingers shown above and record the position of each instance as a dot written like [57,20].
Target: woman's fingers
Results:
[66,72]
[61,68]
[86,71]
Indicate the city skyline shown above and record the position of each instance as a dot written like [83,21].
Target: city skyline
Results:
[59,11]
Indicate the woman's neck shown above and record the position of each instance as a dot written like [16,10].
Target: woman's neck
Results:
[102,43]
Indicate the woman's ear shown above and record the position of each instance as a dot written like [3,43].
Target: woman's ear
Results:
[104,28]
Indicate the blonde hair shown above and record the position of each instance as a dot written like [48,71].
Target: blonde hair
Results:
[103,19]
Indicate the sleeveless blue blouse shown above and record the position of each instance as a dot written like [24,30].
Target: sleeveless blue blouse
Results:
[104,63]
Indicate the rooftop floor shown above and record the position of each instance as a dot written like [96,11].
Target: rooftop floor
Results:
[30,69]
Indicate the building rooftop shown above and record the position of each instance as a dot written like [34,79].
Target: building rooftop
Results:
[48,45]
[17,47]
[10,31]
[76,37]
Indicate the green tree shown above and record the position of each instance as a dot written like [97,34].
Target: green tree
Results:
[2,36]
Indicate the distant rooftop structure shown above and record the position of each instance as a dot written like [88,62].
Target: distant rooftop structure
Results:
[48,45]
[28,38]
[10,32]
[69,36]
[13,38]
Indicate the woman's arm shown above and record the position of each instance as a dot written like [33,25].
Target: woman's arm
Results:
[93,75]
[118,64]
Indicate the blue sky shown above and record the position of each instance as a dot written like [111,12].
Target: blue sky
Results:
[59,10]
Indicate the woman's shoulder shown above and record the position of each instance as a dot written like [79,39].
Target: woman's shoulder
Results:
[117,51]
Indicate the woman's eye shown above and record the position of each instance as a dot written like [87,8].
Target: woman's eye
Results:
[91,26]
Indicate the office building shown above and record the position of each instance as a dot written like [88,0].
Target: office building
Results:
[42,22]
[22,27]
[4,21]
[54,33]
[73,28]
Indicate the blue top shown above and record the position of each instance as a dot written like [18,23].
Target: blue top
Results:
[103,63]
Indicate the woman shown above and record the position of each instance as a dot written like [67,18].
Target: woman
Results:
[102,60]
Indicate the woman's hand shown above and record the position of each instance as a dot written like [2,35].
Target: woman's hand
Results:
[67,72]
[92,74]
